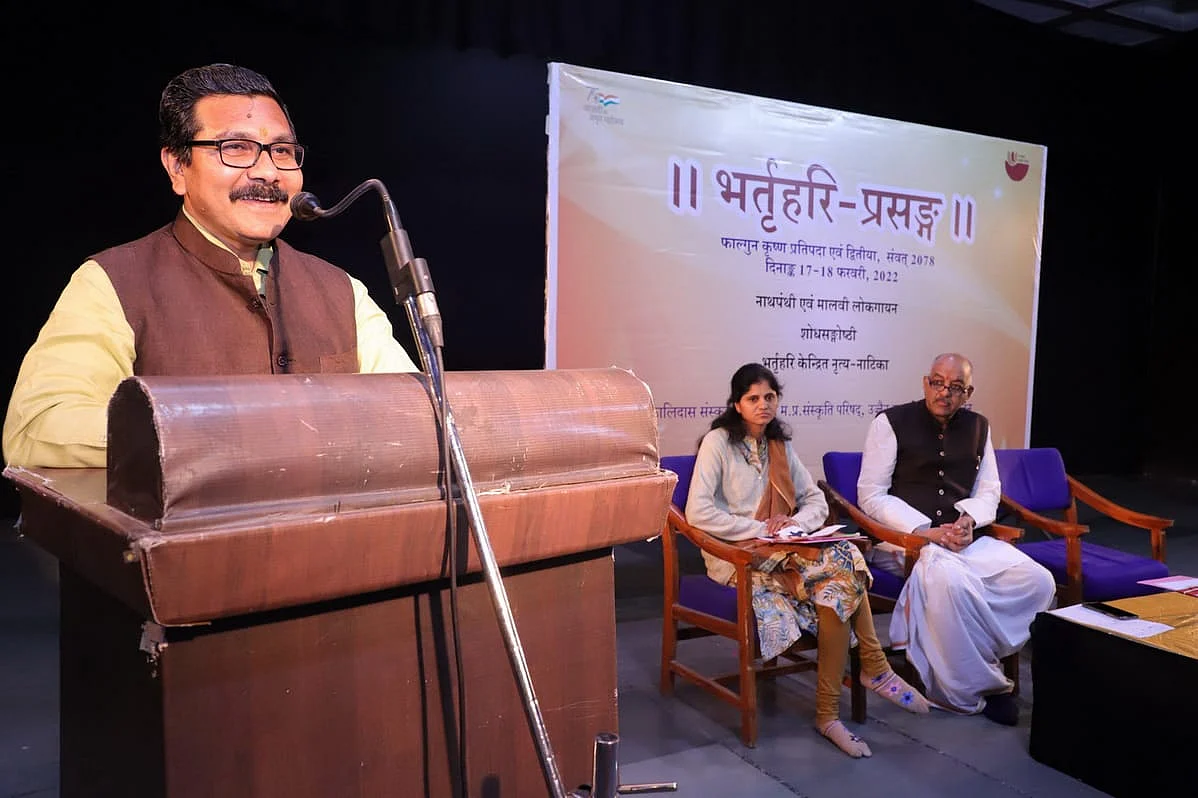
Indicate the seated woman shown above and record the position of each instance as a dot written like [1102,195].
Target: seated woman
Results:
[747,482]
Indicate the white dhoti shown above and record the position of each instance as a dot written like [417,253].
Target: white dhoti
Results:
[960,613]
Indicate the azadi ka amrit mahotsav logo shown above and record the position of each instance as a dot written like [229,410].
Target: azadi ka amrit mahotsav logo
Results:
[601,105]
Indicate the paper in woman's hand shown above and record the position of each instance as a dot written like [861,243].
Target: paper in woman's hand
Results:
[792,534]
[831,529]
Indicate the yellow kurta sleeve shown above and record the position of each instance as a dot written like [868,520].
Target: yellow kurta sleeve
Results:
[378,351]
[58,413]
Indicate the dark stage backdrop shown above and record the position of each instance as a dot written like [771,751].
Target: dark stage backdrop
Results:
[445,102]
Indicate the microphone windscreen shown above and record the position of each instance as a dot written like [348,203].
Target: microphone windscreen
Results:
[305,206]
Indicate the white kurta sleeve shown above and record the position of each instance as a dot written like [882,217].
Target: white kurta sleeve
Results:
[982,503]
[877,470]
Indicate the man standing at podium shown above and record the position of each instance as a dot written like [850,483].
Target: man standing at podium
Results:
[213,292]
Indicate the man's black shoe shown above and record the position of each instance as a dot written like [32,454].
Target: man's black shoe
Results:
[1001,708]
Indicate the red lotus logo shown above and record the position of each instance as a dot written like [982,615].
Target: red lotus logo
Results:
[1016,166]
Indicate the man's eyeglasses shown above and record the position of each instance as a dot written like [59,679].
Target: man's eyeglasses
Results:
[954,388]
[244,153]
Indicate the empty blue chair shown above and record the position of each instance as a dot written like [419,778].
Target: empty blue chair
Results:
[1038,491]
[697,606]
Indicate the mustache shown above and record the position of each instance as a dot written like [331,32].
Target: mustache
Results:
[259,192]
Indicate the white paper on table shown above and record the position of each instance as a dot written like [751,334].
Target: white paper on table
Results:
[1132,627]
[1171,582]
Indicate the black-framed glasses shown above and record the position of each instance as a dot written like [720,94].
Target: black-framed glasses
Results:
[244,153]
[954,388]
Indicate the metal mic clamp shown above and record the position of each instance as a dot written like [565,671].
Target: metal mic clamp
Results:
[410,277]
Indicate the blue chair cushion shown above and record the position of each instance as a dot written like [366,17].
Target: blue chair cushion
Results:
[1106,573]
[885,583]
[699,592]
[1035,478]
[841,470]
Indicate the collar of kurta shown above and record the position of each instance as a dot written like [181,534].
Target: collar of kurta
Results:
[213,254]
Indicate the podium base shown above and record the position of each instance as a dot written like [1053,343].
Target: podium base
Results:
[349,697]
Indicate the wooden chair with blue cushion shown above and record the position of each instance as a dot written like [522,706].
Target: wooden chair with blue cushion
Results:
[697,606]
[841,470]
[1038,491]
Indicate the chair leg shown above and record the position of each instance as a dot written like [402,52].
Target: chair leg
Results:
[749,714]
[669,651]
[857,694]
[748,701]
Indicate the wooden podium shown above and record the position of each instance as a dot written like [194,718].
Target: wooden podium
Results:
[255,594]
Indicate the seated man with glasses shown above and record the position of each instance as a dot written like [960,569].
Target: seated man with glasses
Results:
[213,292]
[928,468]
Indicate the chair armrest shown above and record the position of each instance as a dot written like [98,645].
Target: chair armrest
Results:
[1116,511]
[709,543]
[911,544]
[1004,532]
[1154,524]
[1051,525]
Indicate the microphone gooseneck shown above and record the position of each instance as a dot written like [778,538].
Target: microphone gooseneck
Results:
[306,207]
[409,274]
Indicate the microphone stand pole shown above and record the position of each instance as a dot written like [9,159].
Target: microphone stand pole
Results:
[605,767]
[413,288]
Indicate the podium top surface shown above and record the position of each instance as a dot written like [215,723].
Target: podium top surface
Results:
[226,496]
[196,452]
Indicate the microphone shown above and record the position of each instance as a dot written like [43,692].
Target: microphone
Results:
[305,206]
[409,274]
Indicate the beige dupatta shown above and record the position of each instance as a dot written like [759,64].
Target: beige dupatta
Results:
[779,499]
[779,496]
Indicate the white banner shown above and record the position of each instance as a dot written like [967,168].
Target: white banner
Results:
[693,230]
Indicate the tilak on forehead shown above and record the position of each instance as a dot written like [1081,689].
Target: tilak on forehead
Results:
[252,104]
[249,114]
